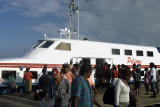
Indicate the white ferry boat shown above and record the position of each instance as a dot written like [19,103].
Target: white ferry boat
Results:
[55,52]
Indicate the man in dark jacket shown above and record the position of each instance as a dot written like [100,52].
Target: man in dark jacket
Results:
[44,81]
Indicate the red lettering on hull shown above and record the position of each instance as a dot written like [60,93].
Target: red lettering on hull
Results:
[133,61]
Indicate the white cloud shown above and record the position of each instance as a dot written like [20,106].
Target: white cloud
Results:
[34,8]
[47,28]
[124,21]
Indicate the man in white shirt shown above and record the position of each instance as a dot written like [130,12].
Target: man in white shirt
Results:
[153,79]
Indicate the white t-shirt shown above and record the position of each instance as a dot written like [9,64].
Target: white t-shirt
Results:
[153,73]
[121,92]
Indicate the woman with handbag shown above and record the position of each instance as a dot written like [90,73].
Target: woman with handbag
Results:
[121,90]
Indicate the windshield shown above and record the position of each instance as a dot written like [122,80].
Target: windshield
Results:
[37,43]
[47,44]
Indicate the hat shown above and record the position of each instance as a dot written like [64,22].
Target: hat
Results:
[55,72]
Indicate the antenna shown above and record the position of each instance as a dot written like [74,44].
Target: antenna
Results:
[45,36]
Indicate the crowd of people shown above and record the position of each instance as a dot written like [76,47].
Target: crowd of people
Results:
[70,86]
[74,84]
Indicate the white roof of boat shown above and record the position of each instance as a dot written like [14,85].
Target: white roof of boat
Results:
[96,42]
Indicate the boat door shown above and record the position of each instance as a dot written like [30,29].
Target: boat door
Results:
[100,61]
[103,60]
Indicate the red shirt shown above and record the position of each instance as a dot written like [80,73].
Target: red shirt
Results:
[133,71]
[105,69]
[115,74]
[28,75]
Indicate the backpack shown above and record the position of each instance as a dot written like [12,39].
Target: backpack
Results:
[133,100]
[108,97]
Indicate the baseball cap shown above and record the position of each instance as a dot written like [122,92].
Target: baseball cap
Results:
[55,72]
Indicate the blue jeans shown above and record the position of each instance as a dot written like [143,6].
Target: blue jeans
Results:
[153,86]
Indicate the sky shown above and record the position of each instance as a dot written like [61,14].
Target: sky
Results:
[23,22]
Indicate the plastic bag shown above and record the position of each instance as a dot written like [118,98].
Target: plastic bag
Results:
[47,103]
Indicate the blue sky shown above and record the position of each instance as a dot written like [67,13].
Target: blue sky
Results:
[23,22]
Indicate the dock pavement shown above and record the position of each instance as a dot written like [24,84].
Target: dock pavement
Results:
[27,100]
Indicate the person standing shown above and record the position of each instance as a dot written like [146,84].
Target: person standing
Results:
[91,80]
[44,81]
[81,90]
[146,80]
[133,73]
[12,83]
[71,64]
[153,79]
[157,77]
[59,88]
[67,74]
[115,75]
[28,81]
[121,90]
[137,79]
[108,74]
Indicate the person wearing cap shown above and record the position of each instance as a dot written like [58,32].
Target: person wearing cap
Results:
[59,88]
[81,90]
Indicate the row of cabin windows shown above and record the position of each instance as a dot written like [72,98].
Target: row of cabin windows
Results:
[129,52]
[6,74]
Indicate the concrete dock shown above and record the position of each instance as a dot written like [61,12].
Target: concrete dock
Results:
[27,100]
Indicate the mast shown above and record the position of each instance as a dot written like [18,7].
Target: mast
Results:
[73,12]
[72,28]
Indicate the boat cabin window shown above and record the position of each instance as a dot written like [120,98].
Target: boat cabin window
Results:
[150,53]
[64,46]
[128,52]
[116,51]
[139,53]
[37,43]
[34,73]
[47,44]
[7,73]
